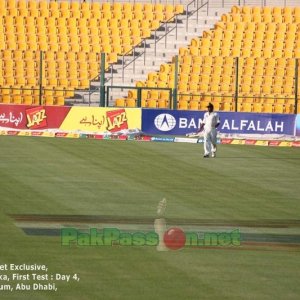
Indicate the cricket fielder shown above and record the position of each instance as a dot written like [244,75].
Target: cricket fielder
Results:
[211,121]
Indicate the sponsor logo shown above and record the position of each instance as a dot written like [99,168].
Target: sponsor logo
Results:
[11,119]
[162,139]
[61,134]
[253,125]
[296,144]
[274,143]
[165,122]
[261,143]
[285,144]
[116,120]
[238,142]
[11,132]
[36,117]
[227,141]
[35,133]
[237,125]
[145,138]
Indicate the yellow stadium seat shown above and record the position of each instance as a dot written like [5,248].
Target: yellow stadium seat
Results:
[278,18]
[153,94]
[203,105]
[2,8]
[194,105]
[107,14]
[117,6]
[227,106]
[85,10]
[75,9]
[6,98]
[148,8]
[54,9]
[278,108]
[12,11]
[138,7]
[158,8]
[208,97]
[31,80]
[32,9]
[144,103]
[64,9]
[27,100]
[179,9]
[43,8]
[187,97]
[96,10]
[49,100]
[152,103]
[162,103]
[267,108]
[297,14]
[130,102]
[36,100]
[17,55]
[5,90]
[17,99]
[59,100]
[289,109]
[127,9]
[26,91]
[120,102]
[246,107]
[183,105]
[257,107]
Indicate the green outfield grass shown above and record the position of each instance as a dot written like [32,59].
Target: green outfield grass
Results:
[128,179]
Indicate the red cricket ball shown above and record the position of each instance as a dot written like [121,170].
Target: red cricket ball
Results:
[174,238]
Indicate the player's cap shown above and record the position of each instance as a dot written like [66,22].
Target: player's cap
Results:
[210,105]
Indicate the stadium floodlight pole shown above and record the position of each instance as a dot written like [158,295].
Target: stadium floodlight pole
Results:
[296,85]
[236,94]
[102,79]
[175,83]
[41,78]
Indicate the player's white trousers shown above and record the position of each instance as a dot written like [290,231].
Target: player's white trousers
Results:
[210,141]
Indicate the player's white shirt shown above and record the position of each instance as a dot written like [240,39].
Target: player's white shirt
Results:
[210,120]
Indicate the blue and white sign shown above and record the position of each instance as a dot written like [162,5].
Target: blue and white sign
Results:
[176,122]
[298,125]
[165,122]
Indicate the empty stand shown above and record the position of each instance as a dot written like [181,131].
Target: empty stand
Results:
[71,35]
[266,41]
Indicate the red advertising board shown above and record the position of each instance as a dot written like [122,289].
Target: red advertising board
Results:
[32,117]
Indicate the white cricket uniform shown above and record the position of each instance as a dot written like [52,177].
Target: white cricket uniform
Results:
[210,120]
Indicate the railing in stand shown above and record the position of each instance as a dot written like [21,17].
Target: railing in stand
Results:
[92,92]
[168,30]
[135,57]
[190,13]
